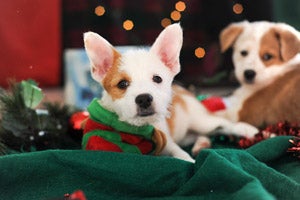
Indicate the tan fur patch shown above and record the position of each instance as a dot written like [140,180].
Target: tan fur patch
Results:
[160,140]
[177,100]
[229,35]
[290,44]
[274,103]
[269,52]
[113,77]
[281,44]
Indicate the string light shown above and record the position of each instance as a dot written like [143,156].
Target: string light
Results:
[180,6]
[165,22]
[128,25]
[175,15]
[238,8]
[99,10]
[199,52]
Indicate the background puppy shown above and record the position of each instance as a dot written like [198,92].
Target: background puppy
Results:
[138,88]
[266,62]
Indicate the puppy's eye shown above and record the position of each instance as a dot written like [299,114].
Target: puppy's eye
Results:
[157,79]
[267,57]
[244,53]
[123,84]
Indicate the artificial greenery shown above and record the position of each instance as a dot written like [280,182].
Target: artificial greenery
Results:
[25,125]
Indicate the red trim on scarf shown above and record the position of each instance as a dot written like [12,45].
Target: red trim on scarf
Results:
[92,125]
[98,143]
[143,144]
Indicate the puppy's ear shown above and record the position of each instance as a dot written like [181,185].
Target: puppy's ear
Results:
[229,34]
[168,45]
[288,40]
[101,54]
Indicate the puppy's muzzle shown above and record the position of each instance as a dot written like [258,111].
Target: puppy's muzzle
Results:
[144,105]
[249,75]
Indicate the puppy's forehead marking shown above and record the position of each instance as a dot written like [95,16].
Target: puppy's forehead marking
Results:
[270,46]
[250,37]
[113,77]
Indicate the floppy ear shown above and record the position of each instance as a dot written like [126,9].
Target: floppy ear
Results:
[168,45]
[229,34]
[101,54]
[289,43]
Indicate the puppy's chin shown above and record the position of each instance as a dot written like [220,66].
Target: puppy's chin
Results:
[249,82]
[143,120]
[245,81]
[145,112]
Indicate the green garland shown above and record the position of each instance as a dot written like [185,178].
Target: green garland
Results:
[25,128]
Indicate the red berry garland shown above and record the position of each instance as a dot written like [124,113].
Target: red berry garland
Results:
[279,129]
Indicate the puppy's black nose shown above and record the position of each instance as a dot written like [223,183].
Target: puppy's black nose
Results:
[249,74]
[144,100]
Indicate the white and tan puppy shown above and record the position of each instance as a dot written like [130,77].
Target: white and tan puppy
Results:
[263,53]
[138,88]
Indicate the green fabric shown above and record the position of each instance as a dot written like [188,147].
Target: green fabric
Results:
[263,172]
[101,115]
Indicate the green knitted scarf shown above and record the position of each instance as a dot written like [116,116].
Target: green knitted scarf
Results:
[103,116]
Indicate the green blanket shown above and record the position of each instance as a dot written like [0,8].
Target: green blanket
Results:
[264,171]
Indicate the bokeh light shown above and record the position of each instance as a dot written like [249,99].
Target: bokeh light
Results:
[199,52]
[238,8]
[99,10]
[165,22]
[175,15]
[180,6]
[128,25]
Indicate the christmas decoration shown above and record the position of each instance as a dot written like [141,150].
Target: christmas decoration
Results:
[77,195]
[279,129]
[212,103]
[220,140]
[24,127]
[296,148]
[77,119]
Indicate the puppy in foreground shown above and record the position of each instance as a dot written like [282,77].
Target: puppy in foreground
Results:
[140,111]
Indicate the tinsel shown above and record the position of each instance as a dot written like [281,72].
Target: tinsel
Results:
[280,129]
[296,148]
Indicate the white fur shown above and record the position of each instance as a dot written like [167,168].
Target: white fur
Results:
[141,66]
[201,122]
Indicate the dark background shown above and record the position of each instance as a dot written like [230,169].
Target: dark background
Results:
[202,21]
[35,33]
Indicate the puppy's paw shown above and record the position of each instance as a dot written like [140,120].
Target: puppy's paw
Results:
[188,158]
[245,129]
[184,156]
[202,142]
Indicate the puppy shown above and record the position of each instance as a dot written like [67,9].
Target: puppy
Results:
[265,55]
[138,89]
